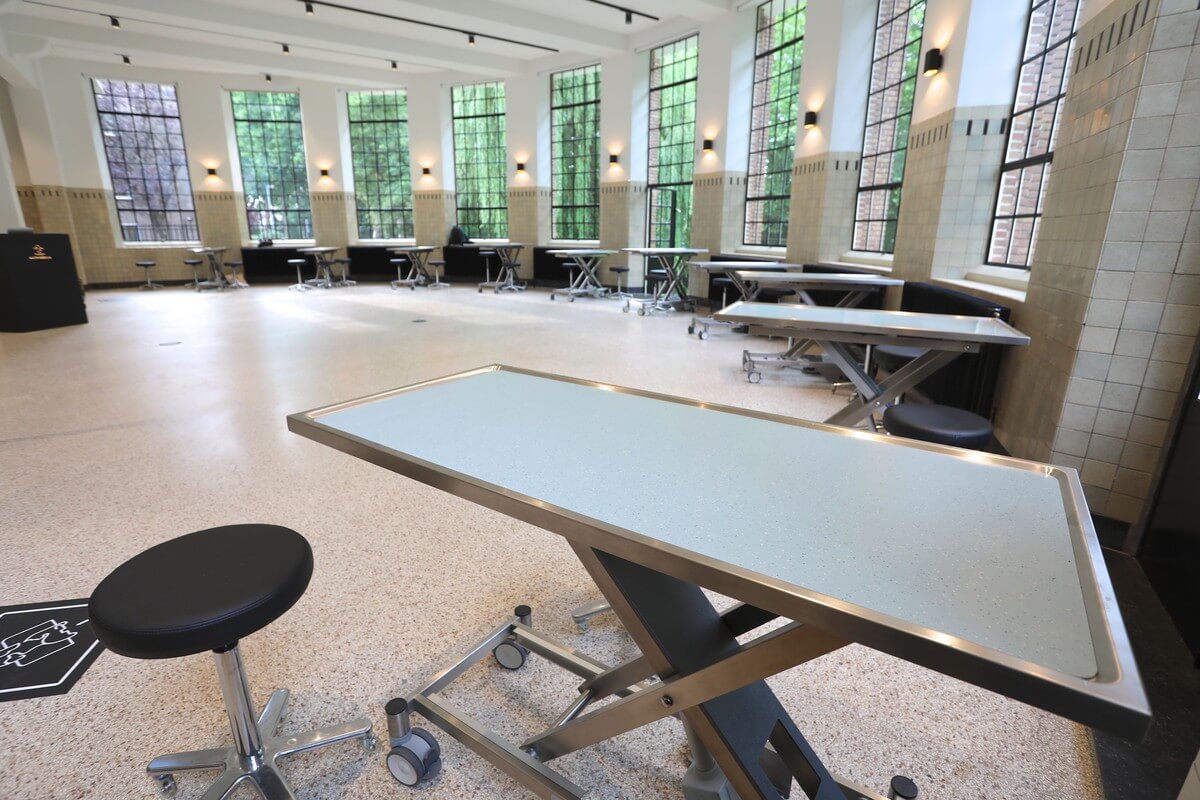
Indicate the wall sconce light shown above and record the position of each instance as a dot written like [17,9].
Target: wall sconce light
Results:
[324,172]
[708,145]
[212,172]
[116,23]
[810,119]
[520,166]
[614,159]
[933,62]
[426,171]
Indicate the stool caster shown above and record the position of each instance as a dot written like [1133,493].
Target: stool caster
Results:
[691,329]
[754,376]
[509,654]
[416,759]
[166,785]
[702,335]
[626,308]
[641,311]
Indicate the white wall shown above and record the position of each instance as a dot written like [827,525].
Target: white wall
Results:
[835,76]
[724,86]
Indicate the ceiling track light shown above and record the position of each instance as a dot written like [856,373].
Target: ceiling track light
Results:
[411,21]
[126,60]
[287,51]
[116,23]
[394,65]
[629,12]
[308,9]
[268,77]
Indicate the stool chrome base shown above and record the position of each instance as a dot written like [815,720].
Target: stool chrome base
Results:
[257,748]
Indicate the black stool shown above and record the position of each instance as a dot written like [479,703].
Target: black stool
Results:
[938,424]
[195,263]
[618,272]
[206,591]
[148,265]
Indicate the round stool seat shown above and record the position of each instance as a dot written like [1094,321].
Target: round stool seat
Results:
[202,591]
[297,260]
[938,424]
[618,269]
[192,262]
[145,264]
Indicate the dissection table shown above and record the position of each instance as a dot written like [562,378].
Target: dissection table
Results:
[729,269]
[671,291]
[943,336]
[587,282]
[418,268]
[1008,592]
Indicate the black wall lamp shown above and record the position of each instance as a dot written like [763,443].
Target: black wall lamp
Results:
[520,166]
[212,171]
[426,171]
[614,159]
[933,62]
[324,172]
[810,119]
[708,145]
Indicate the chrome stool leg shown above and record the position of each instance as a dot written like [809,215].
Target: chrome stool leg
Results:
[256,746]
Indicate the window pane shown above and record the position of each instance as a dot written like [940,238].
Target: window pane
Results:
[899,28]
[270,141]
[779,50]
[379,150]
[480,159]
[1033,129]
[575,154]
[672,145]
[149,209]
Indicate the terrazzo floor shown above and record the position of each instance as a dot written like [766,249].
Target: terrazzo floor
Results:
[165,415]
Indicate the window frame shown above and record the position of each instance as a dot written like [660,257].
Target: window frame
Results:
[1020,165]
[591,226]
[190,195]
[896,186]
[501,115]
[405,213]
[652,167]
[268,231]
[766,199]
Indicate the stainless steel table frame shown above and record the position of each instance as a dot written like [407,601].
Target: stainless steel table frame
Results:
[945,337]
[670,293]
[418,268]
[322,258]
[215,259]
[858,287]
[587,282]
[729,269]
[1035,619]
[507,279]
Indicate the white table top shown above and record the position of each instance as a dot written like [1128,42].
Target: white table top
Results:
[413,248]
[580,253]
[730,266]
[810,319]
[800,278]
[982,567]
[203,250]
[664,251]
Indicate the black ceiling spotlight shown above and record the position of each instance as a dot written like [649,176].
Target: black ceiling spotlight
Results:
[268,77]
[629,12]
[126,60]
[116,23]
[287,51]
[309,4]
[933,62]
[308,9]
[394,65]
[810,119]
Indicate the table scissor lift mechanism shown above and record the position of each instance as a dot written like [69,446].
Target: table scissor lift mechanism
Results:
[799,353]
[743,743]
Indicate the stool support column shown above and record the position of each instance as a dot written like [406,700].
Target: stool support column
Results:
[239,705]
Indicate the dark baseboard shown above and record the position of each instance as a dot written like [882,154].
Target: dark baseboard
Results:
[88,287]
[1111,532]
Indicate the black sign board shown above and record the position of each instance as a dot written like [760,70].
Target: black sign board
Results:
[38,285]
[44,648]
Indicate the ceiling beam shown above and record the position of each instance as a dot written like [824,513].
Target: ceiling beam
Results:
[221,19]
[216,58]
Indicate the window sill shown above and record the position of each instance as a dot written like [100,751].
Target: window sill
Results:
[158,245]
[992,291]
[383,242]
[580,243]
[285,243]
[764,252]
[881,261]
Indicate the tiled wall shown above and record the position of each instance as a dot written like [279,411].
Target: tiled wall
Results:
[222,219]
[821,212]
[623,224]
[718,216]
[528,221]
[1114,299]
[333,218]
[434,214]
[949,186]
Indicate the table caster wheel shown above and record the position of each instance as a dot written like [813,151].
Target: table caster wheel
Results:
[625,309]
[166,785]
[703,335]
[416,759]
[510,655]
[691,329]
[571,299]
[642,312]
[370,742]
[754,376]
[480,290]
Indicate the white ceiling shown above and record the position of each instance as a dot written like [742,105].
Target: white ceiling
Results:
[228,36]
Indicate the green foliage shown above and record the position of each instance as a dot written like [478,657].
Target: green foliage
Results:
[575,153]
[380,151]
[480,159]
[270,142]
[672,155]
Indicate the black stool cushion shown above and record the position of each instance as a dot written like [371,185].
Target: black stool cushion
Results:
[618,269]
[938,424]
[145,264]
[201,591]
